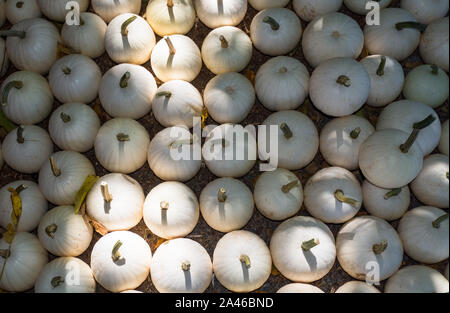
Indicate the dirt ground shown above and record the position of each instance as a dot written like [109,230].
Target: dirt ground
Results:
[258,224]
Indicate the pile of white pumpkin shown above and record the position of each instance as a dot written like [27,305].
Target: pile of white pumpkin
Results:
[396,156]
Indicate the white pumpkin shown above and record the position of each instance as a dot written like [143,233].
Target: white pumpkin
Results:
[431,185]
[434,46]
[171,217]
[88,38]
[4,60]
[226,204]
[19,10]
[64,233]
[267,4]
[62,177]
[74,127]
[339,87]
[424,232]
[298,139]
[176,57]
[331,36]
[121,145]
[427,84]
[24,259]
[341,139]
[174,154]
[404,114]
[116,201]
[300,242]
[426,11]
[300,288]
[357,287]
[181,266]
[311,9]
[219,13]
[65,275]
[388,204]
[291,87]
[389,160]
[127,90]
[227,49]
[444,142]
[397,36]
[366,243]
[417,279]
[333,195]
[169,17]
[278,194]
[26,98]
[360,6]
[242,261]
[129,39]
[109,9]
[276,31]
[34,205]
[27,148]
[75,78]
[229,98]
[57,10]
[121,261]
[386,79]
[177,103]
[228,157]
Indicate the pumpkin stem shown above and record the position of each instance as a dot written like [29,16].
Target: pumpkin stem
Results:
[434,69]
[123,137]
[19,4]
[222,195]
[66,70]
[124,28]
[56,171]
[107,196]
[57,281]
[283,70]
[65,117]
[6,253]
[415,25]
[12,33]
[21,188]
[286,131]
[344,81]
[9,86]
[166,94]
[171,46]
[186,266]
[339,195]
[224,42]
[51,230]
[20,138]
[355,133]
[115,252]
[393,193]
[124,80]
[379,248]
[287,188]
[380,70]
[438,221]
[417,127]
[272,22]
[164,205]
[308,245]
[170,3]
[245,259]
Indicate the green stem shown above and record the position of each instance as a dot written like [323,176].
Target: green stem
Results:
[380,70]
[56,171]
[172,49]
[57,281]
[51,230]
[123,137]
[344,80]
[224,42]
[288,187]
[66,70]
[9,86]
[417,127]
[107,196]
[124,80]
[12,33]
[65,117]
[272,22]
[20,138]
[434,69]
[222,195]
[355,133]
[308,245]
[124,27]
[115,252]
[437,222]
[339,195]
[414,25]
[393,193]
[286,131]
[166,94]
[245,259]
[379,248]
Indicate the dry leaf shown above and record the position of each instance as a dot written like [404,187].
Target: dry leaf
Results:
[251,76]
[160,242]
[275,272]
[98,227]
